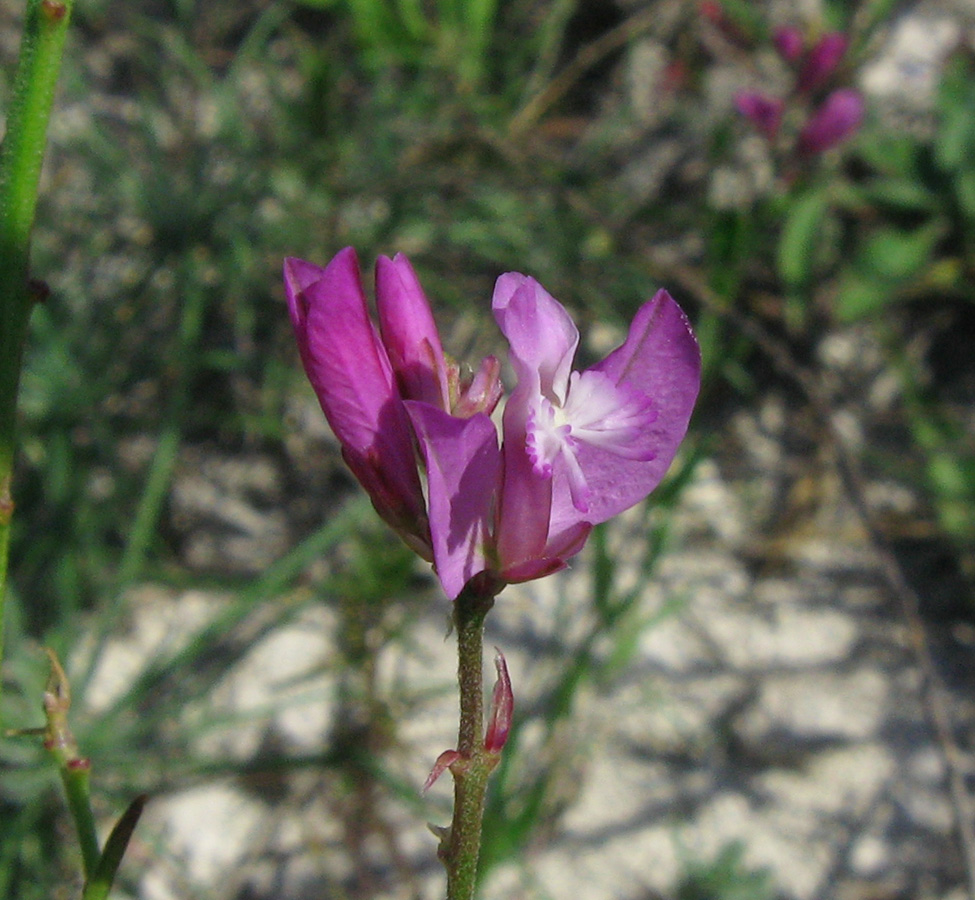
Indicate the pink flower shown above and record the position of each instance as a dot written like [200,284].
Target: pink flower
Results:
[836,120]
[821,61]
[789,42]
[577,448]
[764,112]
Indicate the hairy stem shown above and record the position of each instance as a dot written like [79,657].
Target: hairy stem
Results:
[462,847]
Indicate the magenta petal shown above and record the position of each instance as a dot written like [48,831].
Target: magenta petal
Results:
[542,335]
[836,120]
[822,61]
[344,359]
[661,359]
[350,372]
[765,113]
[463,465]
[526,500]
[789,42]
[410,333]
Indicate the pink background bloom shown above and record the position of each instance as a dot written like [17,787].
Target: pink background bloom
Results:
[821,61]
[764,112]
[789,42]
[839,117]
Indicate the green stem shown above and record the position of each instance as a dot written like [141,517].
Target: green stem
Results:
[73,768]
[76,778]
[21,156]
[462,847]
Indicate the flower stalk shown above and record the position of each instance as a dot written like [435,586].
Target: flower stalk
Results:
[461,847]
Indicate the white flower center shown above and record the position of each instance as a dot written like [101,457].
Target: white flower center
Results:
[593,411]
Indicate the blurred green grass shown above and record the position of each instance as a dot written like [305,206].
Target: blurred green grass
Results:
[197,145]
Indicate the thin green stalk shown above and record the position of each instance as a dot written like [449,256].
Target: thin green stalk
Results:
[21,156]
[76,778]
[74,769]
[462,846]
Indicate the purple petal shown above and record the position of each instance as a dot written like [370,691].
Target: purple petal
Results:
[661,359]
[410,333]
[822,61]
[789,42]
[837,119]
[542,335]
[343,357]
[350,372]
[765,113]
[554,557]
[463,465]
[526,499]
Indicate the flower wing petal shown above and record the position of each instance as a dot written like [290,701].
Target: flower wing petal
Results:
[463,465]
[661,359]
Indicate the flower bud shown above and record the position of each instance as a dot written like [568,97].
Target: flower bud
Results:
[836,120]
[765,113]
[822,61]
[789,42]
[502,708]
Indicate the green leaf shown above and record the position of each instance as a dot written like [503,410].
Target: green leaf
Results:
[800,237]
[896,255]
[955,139]
[954,142]
[859,296]
[744,14]
[893,155]
[904,194]
[100,883]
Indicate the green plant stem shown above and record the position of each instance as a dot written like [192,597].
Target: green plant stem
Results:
[21,156]
[76,778]
[73,768]
[462,847]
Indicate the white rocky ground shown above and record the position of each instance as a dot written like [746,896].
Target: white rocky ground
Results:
[772,701]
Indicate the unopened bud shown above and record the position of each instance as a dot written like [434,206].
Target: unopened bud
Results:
[822,61]
[789,42]
[835,121]
[765,113]
[502,708]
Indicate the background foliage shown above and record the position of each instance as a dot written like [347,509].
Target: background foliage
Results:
[197,144]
